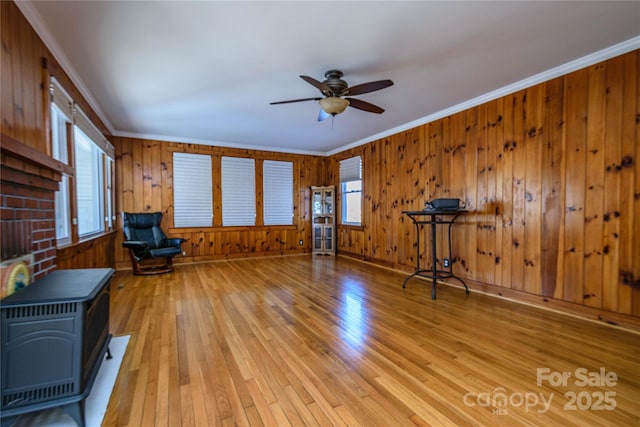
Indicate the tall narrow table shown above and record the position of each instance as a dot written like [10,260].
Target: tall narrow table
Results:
[434,218]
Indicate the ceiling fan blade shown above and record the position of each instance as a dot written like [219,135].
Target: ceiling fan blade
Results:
[364,106]
[323,115]
[326,90]
[295,100]
[368,87]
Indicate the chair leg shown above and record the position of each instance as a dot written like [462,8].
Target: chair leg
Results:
[134,263]
[138,269]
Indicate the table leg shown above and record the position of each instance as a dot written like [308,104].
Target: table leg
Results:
[434,267]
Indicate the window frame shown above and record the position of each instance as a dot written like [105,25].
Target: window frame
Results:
[257,176]
[62,145]
[61,125]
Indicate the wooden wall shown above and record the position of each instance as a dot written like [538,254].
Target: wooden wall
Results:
[25,68]
[551,174]
[22,99]
[144,179]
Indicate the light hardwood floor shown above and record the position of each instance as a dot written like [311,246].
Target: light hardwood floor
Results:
[310,340]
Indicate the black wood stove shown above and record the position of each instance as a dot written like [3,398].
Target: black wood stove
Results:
[54,336]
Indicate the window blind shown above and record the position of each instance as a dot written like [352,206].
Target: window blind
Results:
[192,190]
[238,191]
[63,101]
[351,169]
[82,121]
[277,180]
[59,120]
[89,184]
[61,114]
[60,98]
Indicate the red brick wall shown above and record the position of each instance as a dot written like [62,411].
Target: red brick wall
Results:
[27,210]
[28,225]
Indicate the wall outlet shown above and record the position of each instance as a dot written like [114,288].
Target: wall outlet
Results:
[184,253]
[300,242]
[446,262]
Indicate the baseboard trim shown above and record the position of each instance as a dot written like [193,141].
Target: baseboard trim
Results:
[620,321]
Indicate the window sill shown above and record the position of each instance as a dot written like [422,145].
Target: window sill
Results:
[350,227]
[68,245]
[218,228]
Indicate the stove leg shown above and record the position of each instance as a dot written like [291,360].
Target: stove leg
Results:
[76,411]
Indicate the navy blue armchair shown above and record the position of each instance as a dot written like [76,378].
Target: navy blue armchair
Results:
[146,242]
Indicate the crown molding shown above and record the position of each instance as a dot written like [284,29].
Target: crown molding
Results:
[38,24]
[569,67]
[166,138]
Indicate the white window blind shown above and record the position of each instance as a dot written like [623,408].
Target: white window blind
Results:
[59,150]
[61,99]
[89,184]
[277,180]
[351,190]
[192,190]
[65,104]
[82,121]
[109,196]
[59,137]
[351,169]
[238,191]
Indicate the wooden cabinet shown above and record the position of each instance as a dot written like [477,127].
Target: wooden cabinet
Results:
[323,219]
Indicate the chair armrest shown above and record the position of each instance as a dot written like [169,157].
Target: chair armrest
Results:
[174,241]
[135,244]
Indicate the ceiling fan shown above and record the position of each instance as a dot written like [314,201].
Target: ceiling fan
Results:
[337,94]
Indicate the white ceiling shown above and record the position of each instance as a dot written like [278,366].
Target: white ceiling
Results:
[205,71]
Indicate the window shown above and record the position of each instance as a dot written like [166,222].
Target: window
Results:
[193,194]
[89,185]
[238,191]
[277,178]
[109,170]
[192,190]
[59,125]
[351,190]
[76,142]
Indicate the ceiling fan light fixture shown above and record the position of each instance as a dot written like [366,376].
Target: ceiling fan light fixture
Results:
[333,105]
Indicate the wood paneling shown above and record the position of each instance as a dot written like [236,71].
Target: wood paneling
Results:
[94,253]
[551,175]
[24,109]
[22,90]
[24,105]
[144,179]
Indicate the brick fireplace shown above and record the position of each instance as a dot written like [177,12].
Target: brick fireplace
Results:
[28,182]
